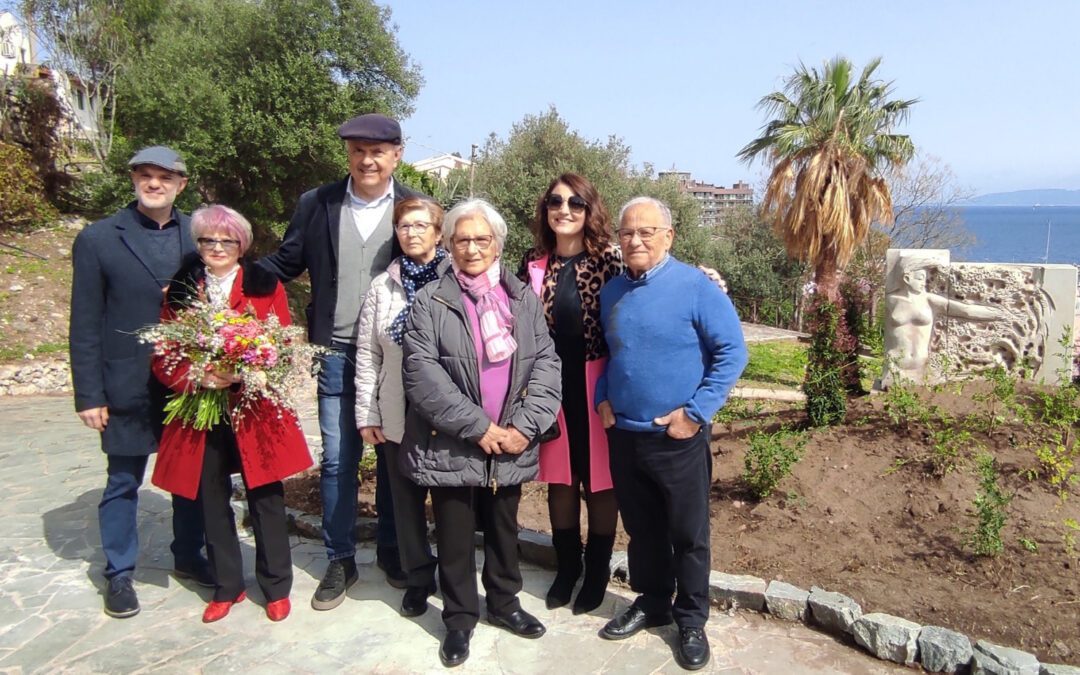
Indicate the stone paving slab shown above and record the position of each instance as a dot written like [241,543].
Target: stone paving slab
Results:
[51,475]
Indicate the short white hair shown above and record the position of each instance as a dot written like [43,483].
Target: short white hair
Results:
[474,207]
[665,212]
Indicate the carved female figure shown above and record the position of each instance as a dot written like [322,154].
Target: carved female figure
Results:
[910,310]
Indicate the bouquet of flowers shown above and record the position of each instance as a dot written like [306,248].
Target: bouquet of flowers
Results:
[272,361]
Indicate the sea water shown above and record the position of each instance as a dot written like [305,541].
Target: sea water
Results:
[1020,234]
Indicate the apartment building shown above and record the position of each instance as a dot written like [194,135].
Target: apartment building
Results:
[715,200]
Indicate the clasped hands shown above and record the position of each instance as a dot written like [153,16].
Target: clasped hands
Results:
[497,440]
[219,379]
[678,423]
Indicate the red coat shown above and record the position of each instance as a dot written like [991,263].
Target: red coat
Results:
[271,447]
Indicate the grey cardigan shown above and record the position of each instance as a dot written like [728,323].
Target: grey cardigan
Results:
[444,419]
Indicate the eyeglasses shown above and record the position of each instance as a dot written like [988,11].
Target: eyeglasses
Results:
[575,203]
[645,234]
[482,243]
[419,227]
[210,244]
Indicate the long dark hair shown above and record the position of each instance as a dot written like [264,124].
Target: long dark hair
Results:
[597,220]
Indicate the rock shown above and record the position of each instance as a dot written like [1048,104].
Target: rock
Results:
[15,288]
[620,567]
[737,590]
[942,650]
[888,637]
[536,548]
[786,602]
[992,659]
[1058,669]
[832,611]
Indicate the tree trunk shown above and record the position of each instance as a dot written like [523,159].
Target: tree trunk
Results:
[827,279]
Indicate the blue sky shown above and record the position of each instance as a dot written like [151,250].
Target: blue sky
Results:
[999,82]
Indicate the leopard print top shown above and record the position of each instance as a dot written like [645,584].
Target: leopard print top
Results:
[591,274]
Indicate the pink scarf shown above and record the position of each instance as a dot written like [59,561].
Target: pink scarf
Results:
[496,322]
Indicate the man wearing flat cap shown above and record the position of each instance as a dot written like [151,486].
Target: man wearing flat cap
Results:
[343,234]
[122,265]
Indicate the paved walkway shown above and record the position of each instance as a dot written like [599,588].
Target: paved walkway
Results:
[756,332]
[51,475]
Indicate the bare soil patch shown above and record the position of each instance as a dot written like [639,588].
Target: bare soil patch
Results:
[862,514]
[35,287]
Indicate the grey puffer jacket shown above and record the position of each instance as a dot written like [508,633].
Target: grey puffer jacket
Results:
[445,420]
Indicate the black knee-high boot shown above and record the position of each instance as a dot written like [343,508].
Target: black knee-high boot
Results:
[597,572]
[567,545]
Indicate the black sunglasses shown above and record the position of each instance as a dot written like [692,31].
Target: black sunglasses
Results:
[576,203]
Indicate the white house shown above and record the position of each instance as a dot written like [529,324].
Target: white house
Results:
[18,52]
[440,166]
[16,44]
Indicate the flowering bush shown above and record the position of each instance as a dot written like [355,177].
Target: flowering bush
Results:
[272,361]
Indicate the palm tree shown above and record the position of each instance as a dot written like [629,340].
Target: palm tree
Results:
[829,143]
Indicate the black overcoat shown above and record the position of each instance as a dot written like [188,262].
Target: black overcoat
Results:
[115,291]
[310,243]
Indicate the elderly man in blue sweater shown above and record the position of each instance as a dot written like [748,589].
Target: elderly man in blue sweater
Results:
[676,350]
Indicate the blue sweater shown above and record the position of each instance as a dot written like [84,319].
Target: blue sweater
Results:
[675,340]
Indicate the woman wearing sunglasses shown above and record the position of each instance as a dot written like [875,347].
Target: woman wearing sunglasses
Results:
[573,257]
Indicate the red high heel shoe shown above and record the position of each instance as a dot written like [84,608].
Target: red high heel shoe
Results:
[277,610]
[218,610]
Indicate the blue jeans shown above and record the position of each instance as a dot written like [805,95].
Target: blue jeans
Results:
[342,448]
[117,515]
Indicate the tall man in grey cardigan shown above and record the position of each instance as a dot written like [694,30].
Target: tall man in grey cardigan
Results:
[122,265]
[676,350]
[343,235]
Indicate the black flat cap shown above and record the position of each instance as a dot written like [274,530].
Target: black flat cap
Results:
[160,156]
[371,127]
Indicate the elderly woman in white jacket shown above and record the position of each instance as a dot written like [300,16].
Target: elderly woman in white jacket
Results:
[380,396]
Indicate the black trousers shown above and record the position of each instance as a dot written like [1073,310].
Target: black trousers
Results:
[457,511]
[410,520]
[662,486]
[273,557]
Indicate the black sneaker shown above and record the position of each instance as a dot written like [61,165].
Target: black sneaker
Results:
[199,572]
[120,599]
[331,591]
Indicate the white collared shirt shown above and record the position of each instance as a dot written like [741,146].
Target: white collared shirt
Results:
[368,214]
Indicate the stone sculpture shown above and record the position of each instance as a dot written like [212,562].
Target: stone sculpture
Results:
[946,320]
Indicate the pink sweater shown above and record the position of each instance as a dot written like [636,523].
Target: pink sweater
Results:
[494,377]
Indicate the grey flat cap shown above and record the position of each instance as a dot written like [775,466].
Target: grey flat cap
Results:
[371,127]
[160,156]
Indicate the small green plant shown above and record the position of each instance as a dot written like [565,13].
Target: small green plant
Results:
[903,405]
[1029,545]
[948,447]
[770,458]
[990,504]
[1000,399]
[1057,466]
[736,409]
[1068,539]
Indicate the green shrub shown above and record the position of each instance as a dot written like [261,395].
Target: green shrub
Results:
[825,384]
[22,195]
[770,457]
[990,504]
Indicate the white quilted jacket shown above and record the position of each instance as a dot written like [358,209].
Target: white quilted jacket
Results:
[380,396]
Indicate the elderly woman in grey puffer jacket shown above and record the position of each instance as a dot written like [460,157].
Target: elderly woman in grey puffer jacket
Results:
[483,381]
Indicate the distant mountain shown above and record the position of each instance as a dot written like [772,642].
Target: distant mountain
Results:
[1028,198]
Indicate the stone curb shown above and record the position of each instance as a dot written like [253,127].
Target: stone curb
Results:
[887,637]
